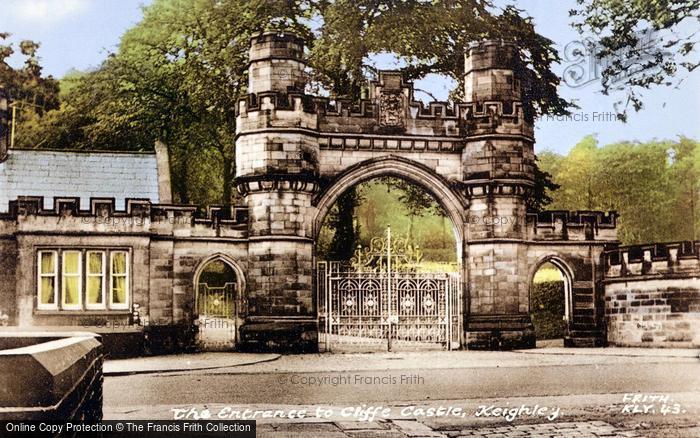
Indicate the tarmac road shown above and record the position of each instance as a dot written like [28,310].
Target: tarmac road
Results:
[587,389]
[397,385]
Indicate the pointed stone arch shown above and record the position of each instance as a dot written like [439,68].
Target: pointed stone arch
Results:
[240,276]
[568,277]
[400,167]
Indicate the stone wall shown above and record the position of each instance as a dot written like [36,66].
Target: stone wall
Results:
[652,295]
[51,377]
[8,257]
[166,246]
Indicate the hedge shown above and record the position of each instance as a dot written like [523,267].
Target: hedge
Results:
[547,309]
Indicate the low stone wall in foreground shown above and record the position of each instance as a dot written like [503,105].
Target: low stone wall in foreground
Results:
[51,377]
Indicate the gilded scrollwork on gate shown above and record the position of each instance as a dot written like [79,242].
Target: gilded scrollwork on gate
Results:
[382,296]
[404,255]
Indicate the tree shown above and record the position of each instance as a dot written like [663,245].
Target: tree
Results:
[342,221]
[417,201]
[177,77]
[576,176]
[32,93]
[684,179]
[641,44]
[654,186]
[540,197]
[430,37]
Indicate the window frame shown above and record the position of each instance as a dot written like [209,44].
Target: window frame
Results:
[127,277]
[40,275]
[102,275]
[79,276]
[59,288]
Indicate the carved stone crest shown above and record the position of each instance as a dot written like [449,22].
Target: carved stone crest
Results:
[391,112]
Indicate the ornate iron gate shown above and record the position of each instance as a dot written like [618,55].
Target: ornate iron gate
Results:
[217,302]
[379,301]
[217,308]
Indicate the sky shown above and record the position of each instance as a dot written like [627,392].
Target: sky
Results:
[78,34]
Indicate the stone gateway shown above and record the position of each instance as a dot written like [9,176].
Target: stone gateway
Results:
[103,249]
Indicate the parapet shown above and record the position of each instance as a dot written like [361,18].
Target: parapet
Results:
[361,117]
[213,215]
[572,225]
[654,260]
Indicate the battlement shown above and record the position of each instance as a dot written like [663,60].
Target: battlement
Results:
[572,225]
[653,260]
[435,118]
[135,208]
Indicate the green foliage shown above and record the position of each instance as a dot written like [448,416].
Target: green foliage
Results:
[384,202]
[540,197]
[641,43]
[547,309]
[429,37]
[31,93]
[655,186]
[176,77]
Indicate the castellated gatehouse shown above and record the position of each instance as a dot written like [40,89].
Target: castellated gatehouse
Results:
[92,240]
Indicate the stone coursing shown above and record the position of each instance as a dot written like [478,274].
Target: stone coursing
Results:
[652,295]
[53,378]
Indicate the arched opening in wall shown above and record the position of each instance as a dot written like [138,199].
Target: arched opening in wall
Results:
[550,304]
[389,264]
[217,290]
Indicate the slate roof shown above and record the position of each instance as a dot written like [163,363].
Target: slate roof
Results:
[50,173]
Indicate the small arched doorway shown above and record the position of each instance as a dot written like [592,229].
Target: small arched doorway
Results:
[550,302]
[217,302]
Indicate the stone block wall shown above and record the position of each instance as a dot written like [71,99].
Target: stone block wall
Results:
[280,279]
[51,377]
[652,295]
[489,159]
[335,160]
[8,299]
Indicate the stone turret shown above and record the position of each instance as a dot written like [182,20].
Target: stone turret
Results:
[489,72]
[277,166]
[498,158]
[4,124]
[498,168]
[276,63]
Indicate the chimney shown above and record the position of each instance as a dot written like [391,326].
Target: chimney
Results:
[4,123]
